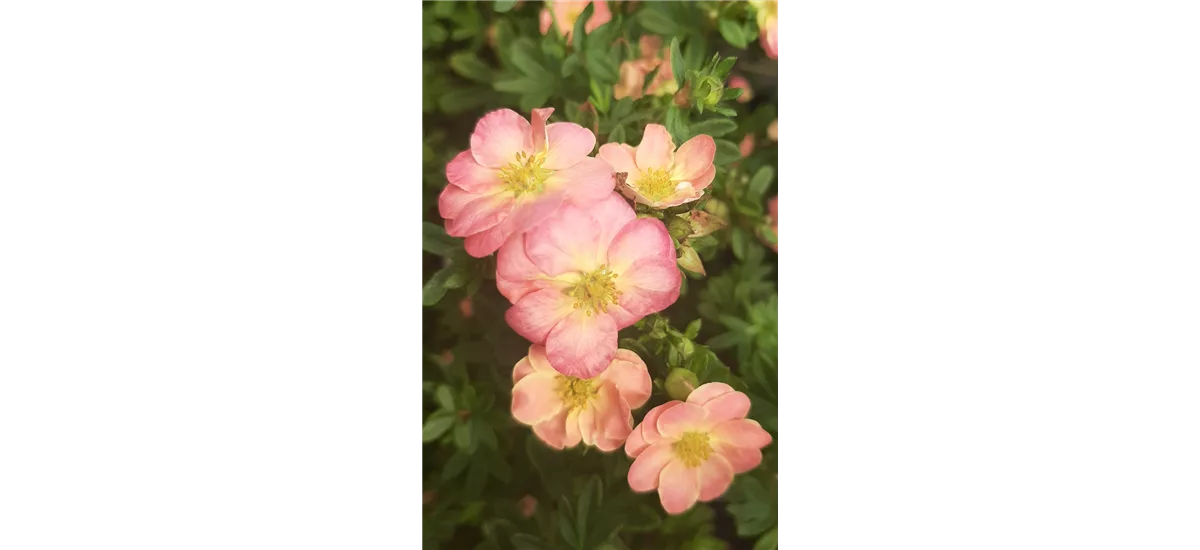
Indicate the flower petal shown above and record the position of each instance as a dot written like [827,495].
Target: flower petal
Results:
[649,286]
[678,419]
[535,361]
[499,136]
[535,398]
[644,472]
[587,425]
[526,213]
[628,374]
[613,422]
[480,214]
[678,487]
[553,431]
[522,369]
[715,475]
[621,158]
[641,238]
[464,172]
[582,345]
[568,143]
[586,182]
[694,157]
[706,392]
[534,315]
[452,200]
[571,427]
[516,275]
[727,407]
[537,128]
[741,432]
[701,182]
[646,433]
[742,459]
[656,150]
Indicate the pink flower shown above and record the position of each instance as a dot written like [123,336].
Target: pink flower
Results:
[565,410]
[747,145]
[657,174]
[768,27]
[584,274]
[564,13]
[633,73]
[528,506]
[516,174]
[739,81]
[691,450]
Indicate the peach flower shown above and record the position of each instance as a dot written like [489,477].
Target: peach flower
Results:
[739,81]
[633,73]
[768,27]
[658,175]
[564,13]
[584,274]
[773,130]
[690,450]
[565,410]
[746,146]
[516,174]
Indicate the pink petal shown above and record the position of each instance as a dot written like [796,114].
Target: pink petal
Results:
[715,475]
[685,417]
[535,398]
[516,275]
[656,149]
[647,432]
[622,317]
[642,238]
[649,286]
[553,431]
[526,213]
[452,201]
[535,361]
[741,432]
[522,369]
[480,214]
[742,459]
[587,181]
[582,345]
[629,375]
[568,144]
[727,407]
[620,157]
[587,425]
[708,392]
[534,315]
[644,472]
[600,16]
[678,487]
[571,425]
[538,128]
[464,172]
[702,182]
[694,157]
[499,136]
[611,413]
[544,21]
[568,242]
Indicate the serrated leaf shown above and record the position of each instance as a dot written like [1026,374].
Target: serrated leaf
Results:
[715,127]
[436,425]
[444,398]
[677,64]
[732,32]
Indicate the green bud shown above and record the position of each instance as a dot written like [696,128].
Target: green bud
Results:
[679,227]
[680,383]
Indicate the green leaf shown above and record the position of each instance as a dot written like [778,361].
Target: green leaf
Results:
[732,93]
[751,505]
[650,78]
[722,69]
[460,99]
[436,425]
[741,240]
[459,278]
[525,541]
[727,152]
[601,66]
[435,240]
[444,398]
[601,96]
[760,182]
[732,32]
[462,435]
[505,5]
[467,65]
[457,463]
[677,64]
[656,21]
[565,526]
[715,127]
[579,35]
[583,505]
[519,85]
[675,125]
[617,135]
[435,288]
[693,329]
[571,64]
[522,57]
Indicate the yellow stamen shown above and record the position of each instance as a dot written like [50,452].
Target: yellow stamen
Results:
[575,392]
[595,291]
[693,448]
[656,184]
[525,174]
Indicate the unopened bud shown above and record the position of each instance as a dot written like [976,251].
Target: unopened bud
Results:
[679,227]
[680,383]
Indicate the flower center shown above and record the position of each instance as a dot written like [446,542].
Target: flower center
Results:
[656,184]
[595,291]
[525,174]
[693,448]
[575,392]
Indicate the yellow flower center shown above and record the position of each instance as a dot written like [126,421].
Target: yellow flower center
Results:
[575,392]
[595,291]
[693,448]
[656,184]
[525,174]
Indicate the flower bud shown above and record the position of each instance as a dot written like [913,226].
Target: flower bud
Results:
[679,227]
[528,506]
[690,261]
[680,383]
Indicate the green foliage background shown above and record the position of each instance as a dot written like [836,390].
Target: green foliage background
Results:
[478,463]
